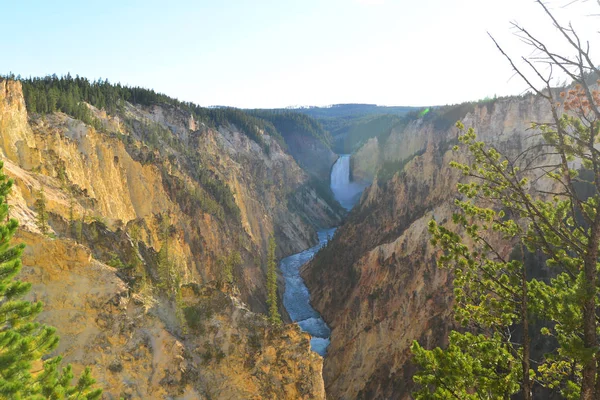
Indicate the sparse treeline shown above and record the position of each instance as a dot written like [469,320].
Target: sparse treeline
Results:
[68,94]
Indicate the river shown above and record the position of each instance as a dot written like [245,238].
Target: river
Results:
[296,298]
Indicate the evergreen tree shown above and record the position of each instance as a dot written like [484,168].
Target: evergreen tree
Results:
[168,275]
[491,294]
[226,266]
[31,101]
[53,95]
[71,226]
[274,316]
[42,214]
[494,295]
[22,340]
[233,261]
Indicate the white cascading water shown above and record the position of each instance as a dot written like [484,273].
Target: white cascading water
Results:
[296,298]
[346,192]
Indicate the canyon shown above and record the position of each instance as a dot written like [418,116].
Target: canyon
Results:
[153,269]
[296,298]
[292,200]
[131,271]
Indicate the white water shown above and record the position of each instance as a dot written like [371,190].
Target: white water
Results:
[346,192]
[296,298]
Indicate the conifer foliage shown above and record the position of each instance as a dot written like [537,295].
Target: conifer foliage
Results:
[23,342]
[42,214]
[504,308]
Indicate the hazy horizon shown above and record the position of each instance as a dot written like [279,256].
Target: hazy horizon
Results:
[272,55]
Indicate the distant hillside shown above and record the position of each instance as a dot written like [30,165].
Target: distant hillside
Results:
[354,110]
[347,126]
[291,122]
[308,142]
[351,134]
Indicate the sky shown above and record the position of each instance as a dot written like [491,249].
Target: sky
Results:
[279,53]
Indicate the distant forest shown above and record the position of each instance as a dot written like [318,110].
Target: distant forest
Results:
[290,122]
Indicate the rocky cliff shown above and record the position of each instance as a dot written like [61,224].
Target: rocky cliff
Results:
[137,347]
[170,204]
[377,284]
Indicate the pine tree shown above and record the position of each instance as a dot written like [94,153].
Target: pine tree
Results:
[30,99]
[233,261]
[274,316]
[71,226]
[226,266]
[42,214]
[22,340]
[79,225]
[168,269]
[493,293]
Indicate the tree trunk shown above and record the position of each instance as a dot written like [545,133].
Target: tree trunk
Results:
[590,340]
[527,395]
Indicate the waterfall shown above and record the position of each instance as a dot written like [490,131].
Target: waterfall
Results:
[346,193]
[340,173]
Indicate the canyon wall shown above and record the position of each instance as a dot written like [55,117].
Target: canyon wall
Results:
[145,216]
[377,283]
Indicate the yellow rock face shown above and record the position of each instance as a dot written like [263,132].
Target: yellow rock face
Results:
[89,175]
[113,195]
[17,138]
[235,353]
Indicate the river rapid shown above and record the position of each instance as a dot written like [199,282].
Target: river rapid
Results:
[296,298]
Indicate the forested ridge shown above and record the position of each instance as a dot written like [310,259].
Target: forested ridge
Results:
[68,94]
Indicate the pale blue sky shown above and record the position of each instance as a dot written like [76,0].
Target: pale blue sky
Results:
[268,53]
